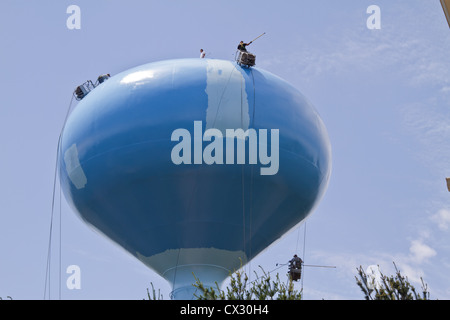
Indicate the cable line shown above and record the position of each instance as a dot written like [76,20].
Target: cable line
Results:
[49,249]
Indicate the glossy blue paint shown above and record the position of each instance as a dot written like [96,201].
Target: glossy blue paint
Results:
[117,173]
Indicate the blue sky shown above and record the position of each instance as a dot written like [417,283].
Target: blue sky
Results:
[384,96]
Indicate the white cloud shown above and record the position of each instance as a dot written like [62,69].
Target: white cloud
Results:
[442,219]
[413,273]
[420,252]
[400,48]
[427,122]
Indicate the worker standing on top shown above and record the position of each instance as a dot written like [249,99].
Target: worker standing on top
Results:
[202,53]
[242,46]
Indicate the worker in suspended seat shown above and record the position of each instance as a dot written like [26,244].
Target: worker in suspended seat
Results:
[295,268]
[296,262]
[242,46]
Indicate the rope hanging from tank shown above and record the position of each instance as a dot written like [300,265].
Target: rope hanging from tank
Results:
[243,177]
[176,268]
[49,249]
[221,97]
[250,192]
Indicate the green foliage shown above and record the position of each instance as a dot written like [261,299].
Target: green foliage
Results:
[395,287]
[153,296]
[263,288]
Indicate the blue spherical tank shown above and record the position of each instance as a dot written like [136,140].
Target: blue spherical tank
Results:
[194,166]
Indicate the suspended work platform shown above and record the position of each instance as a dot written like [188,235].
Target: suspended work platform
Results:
[246,59]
